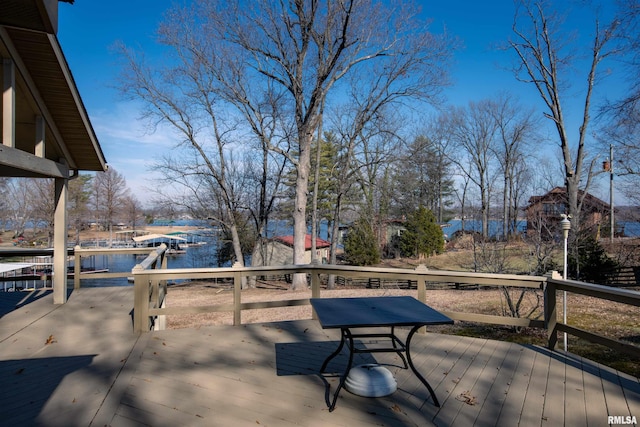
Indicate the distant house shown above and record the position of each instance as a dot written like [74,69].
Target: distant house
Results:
[543,212]
[279,251]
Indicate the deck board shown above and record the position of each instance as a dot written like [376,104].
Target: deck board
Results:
[614,393]
[495,387]
[515,397]
[97,372]
[534,401]
[575,392]
[555,393]
[462,392]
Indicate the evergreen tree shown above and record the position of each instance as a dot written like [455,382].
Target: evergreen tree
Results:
[592,263]
[423,177]
[360,245]
[423,236]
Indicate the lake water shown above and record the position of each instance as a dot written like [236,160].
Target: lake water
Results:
[206,255]
[200,256]
[631,229]
[494,227]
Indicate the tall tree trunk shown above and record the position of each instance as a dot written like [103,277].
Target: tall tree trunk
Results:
[316,187]
[505,207]
[299,281]
[331,281]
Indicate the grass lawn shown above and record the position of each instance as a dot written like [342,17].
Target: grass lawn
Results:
[610,319]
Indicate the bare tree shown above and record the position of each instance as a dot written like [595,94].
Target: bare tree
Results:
[306,48]
[474,130]
[186,97]
[131,210]
[109,192]
[621,118]
[544,54]
[372,165]
[363,143]
[629,38]
[40,195]
[442,144]
[515,134]
[19,207]
[4,204]
[79,196]
[462,195]
[365,127]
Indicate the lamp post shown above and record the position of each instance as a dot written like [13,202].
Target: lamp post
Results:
[607,166]
[611,214]
[566,226]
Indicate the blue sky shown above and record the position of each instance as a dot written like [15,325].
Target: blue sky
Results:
[88,30]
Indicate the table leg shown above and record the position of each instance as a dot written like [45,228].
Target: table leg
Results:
[346,334]
[334,354]
[413,368]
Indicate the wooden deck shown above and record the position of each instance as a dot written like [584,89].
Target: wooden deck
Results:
[79,364]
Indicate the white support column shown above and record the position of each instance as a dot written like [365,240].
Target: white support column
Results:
[8,103]
[40,142]
[60,242]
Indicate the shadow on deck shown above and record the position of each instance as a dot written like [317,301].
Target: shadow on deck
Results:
[79,364]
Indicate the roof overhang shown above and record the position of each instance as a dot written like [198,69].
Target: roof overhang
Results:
[36,15]
[47,86]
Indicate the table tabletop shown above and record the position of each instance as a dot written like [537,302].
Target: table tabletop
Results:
[375,311]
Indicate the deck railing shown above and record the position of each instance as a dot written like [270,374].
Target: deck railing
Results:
[555,285]
[151,277]
[80,253]
[147,310]
[422,276]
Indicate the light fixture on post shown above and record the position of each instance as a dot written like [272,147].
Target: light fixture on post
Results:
[566,226]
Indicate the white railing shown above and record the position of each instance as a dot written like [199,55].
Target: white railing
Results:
[422,276]
[148,310]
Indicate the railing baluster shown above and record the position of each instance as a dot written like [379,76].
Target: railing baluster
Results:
[77,267]
[550,314]
[140,300]
[237,287]
[315,287]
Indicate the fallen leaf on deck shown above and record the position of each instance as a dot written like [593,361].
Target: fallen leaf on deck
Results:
[50,340]
[467,398]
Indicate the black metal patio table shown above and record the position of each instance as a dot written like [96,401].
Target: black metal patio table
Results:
[375,312]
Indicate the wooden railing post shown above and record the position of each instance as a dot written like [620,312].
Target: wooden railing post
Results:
[237,288]
[163,258]
[161,321]
[140,301]
[315,286]
[422,290]
[77,267]
[422,283]
[550,311]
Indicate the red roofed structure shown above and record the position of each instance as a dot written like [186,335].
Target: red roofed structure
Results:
[288,240]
